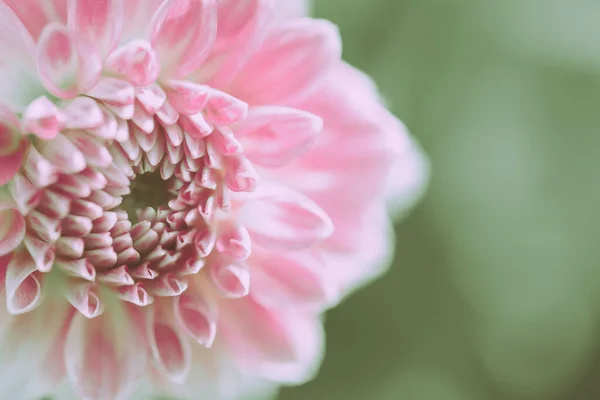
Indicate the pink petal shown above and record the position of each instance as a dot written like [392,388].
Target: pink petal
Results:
[135,294]
[196,314]
[288,9]
[281,346]
[137,14]
[12,230]
[233,241]
[41,252]
[83,297]
[274,136]
[23,288]
[242,27]
[117,277]
[279,218]
[187,97]
[137,62]
[182,33]
[240,175]
[204,242]
[299,55]
[83,113]
[224,109]
[36,14]
[10,164]
[282,280]
[105,357]
[231,279]
[18,81]
[58,61]
[26,195]
[12,145]
[168,285]
[62,154]
[80,268]
[113,91]
[43,119]
[170,349]
[97,21]
[10,133]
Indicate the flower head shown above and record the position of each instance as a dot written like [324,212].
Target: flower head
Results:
[185,185]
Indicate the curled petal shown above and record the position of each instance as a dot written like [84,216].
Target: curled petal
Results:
[197,316]
[23,288]
[80,268]
[168,286]
[102,361]
[279,218]
[188,97]
[41,252]
[233,240]
[113,91]
[135,294]
[10,164]
[26,195]
[299,55]
[224,109]
[183,32]
[274,136]
[205,241]
[62,154]
[83,113]
[43,119]
[136,62]
[10,134]
[12,146]
[170,349]
[240,175]
[232,280]
[117,277]
[84,299]
[12,230]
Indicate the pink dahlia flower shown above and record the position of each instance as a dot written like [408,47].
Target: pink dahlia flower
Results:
[185,186]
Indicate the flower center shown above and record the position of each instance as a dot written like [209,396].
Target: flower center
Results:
[147,190]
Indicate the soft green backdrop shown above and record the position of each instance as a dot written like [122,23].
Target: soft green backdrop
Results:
[494,292]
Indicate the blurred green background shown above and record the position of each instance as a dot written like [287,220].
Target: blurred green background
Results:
[494,291]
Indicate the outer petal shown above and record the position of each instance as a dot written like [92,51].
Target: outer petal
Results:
[18,76]
[282,219]
[31,362]
[35,14]
[273,136]
[182,33]
[287,9]
[298,55]
[360,144]
[283,346]
[99,22]
[293,280]
[105,357]
[58,61]
[242,26]
[137,13]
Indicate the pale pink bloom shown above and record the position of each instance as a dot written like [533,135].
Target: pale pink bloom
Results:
[185,186]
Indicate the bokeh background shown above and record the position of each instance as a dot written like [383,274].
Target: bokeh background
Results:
[494,293]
